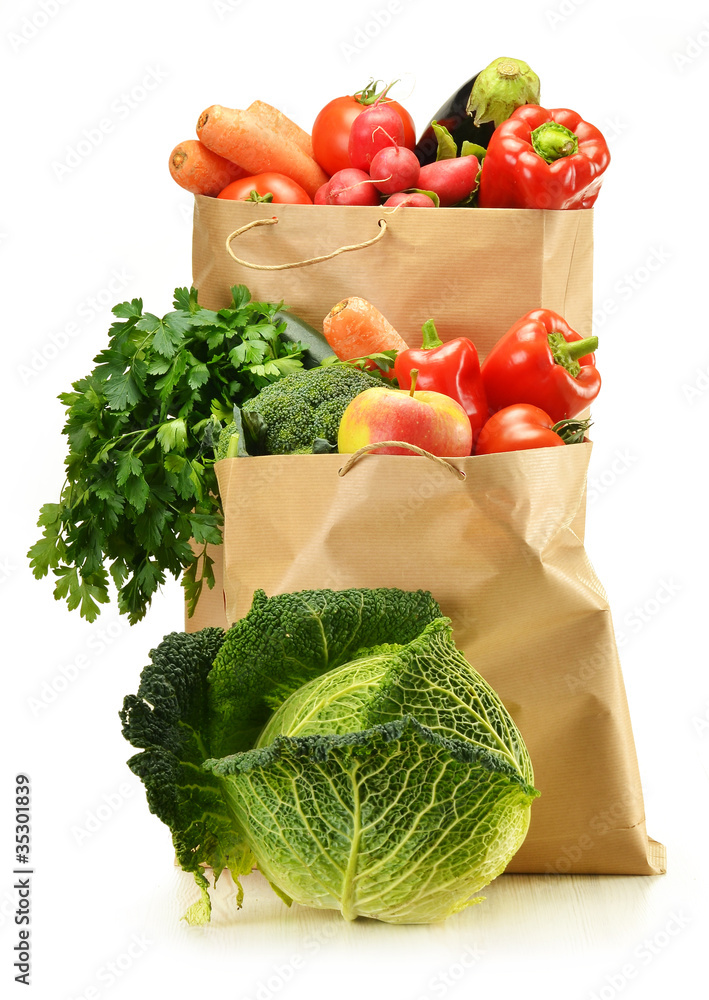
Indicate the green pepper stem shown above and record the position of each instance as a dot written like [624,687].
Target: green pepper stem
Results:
[567,352]
[430,335]
[580,348]
[552,141]
[414,379]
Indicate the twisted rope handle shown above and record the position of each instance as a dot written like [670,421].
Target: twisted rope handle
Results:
[355,457]
[298,263]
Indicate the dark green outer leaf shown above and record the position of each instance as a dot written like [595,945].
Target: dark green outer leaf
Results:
[288,639]
[169,719]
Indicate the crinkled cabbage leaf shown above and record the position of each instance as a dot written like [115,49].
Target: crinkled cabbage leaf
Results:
[394,822]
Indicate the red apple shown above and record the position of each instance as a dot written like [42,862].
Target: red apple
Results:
[431,420]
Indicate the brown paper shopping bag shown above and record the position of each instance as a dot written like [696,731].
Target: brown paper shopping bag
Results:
[502,550]
[473,271]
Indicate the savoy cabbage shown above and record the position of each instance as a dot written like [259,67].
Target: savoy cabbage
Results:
[342,743]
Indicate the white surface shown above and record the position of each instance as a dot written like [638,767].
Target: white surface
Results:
[106,900]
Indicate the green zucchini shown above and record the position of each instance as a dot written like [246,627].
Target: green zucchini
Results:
[296,329]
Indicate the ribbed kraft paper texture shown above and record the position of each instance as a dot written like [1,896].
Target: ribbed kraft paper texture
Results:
[473,271]
[503,553]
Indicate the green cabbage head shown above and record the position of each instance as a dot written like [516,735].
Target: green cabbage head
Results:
[374,772]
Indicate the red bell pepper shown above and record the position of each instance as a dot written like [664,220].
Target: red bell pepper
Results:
[543,159]
[542,361]
[452,368]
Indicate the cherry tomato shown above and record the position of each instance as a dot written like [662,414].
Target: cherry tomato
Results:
[331,129]
[515,428]
[284,191]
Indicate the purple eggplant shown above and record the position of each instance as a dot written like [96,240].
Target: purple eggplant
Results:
[478,107]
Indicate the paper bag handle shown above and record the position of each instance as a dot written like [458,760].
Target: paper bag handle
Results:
[298,263]
[355,457]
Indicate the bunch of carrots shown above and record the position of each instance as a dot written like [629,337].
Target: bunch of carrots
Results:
[234,144]
[261,155]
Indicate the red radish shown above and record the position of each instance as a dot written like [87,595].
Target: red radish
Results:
[320,197]
[414,199]
[375,128]
[351,187]
[394,168]
[452,179]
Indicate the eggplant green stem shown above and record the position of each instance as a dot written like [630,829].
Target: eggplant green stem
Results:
[501,87]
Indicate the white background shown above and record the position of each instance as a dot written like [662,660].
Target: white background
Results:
[106,902]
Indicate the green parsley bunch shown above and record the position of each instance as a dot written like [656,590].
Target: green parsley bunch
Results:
[140,498]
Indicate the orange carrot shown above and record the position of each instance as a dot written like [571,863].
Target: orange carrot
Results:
[237,136]
[200,171]
[354,328]
[274,119]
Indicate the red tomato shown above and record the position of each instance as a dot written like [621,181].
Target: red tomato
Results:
[515,428]
[331,131]
[284,190]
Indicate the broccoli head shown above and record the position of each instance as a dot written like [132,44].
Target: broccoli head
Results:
[303,406]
